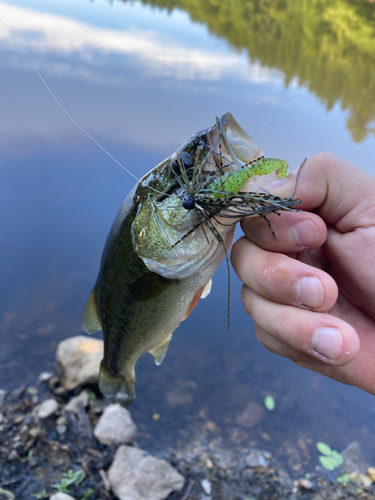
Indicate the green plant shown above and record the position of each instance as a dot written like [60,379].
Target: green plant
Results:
[88,494]
[329,459]
[68,478]
[344,479]
[269,403]
[41,494]
[92,395]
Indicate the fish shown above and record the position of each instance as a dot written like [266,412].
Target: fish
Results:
[173,229]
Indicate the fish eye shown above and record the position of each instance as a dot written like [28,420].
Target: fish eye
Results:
[185,158]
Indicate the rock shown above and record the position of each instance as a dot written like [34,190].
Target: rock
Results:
[371,473]
[61,496]
[206,486]
[7,494]
[79,358]
[47,408]
[115,426]
[135,475]
[285,479]
[83,398]
[251,416]
[305,484]
[44,377]
[360,479]
[182,393]
[258,458]
[97,406]
[350,456]
[61,425]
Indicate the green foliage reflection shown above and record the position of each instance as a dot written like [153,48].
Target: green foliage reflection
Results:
[329,45]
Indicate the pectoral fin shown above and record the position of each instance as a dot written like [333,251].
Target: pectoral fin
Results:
[207,289]
[160,352]
[90,319]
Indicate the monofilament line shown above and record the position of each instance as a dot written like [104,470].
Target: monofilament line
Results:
[62,107]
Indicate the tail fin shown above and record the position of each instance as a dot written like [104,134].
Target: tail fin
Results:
[116,385]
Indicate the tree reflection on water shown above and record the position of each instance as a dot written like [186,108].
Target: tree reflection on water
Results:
[329,45]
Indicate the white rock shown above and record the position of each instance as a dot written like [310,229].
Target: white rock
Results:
[44,377]
[79,360]
[258,458]
[305,484]
[83,398]
[47,408]
[61,496]
[115,426]
[135,475]
[206,486]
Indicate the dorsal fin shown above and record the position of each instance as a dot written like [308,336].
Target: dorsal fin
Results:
[90,319]
[160,352]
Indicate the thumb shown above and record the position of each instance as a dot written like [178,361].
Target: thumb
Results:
[338,191]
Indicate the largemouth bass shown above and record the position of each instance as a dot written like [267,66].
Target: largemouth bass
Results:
[171,233]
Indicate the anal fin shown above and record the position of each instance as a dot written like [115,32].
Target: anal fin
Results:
[90,319]
[160,352]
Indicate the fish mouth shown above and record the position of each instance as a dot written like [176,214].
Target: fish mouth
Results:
[225,145]
[240,146]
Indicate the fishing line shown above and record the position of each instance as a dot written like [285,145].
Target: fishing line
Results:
[67,112]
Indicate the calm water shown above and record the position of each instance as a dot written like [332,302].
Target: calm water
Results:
[141,78]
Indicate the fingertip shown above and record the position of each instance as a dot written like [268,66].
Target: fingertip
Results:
[338,344]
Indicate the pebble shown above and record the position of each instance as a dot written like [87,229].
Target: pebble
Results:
[251,416]
[61,425]
[371,473]
[47,408]
[360,479]
[258,458]
[206,486]
[305,484]
[97,406]
[82,399]
[79,360]
[61,496]
[44,377]
[115,426]
[7,494]
[135,475]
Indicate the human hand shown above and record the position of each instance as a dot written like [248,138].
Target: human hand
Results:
[311,292]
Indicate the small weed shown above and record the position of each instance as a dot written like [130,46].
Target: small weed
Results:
[68,478]
[88,494]
[269,403]
[330,459]
[343,479]
[41,494]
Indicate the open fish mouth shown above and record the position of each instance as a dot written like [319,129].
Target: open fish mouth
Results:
[210,185]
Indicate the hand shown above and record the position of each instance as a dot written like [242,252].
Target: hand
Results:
[311,292]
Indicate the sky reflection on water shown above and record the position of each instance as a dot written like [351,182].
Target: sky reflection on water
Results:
[141,81]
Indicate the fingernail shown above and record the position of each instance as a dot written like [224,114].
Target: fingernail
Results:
[327,342]
[309,292]
[305,233]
